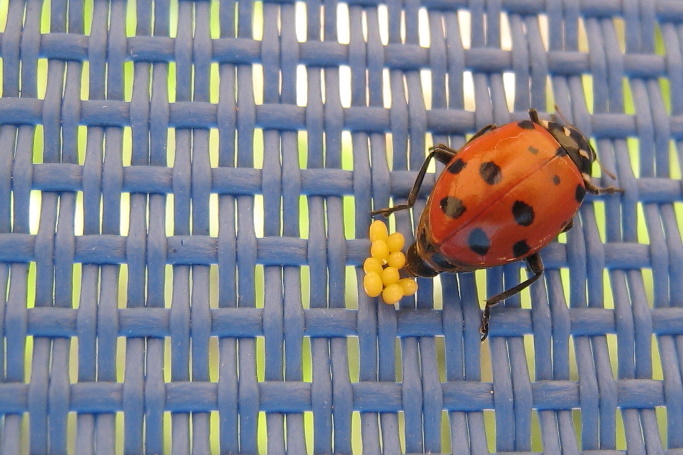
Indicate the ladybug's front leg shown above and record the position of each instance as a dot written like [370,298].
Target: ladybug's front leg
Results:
[442,153]
[536,267]
[594,189]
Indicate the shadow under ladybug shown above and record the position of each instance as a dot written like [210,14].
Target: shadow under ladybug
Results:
[506,194]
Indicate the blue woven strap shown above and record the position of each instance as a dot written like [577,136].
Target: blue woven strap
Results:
[184,202]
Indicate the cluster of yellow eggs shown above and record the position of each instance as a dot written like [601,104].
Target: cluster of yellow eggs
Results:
[382,267]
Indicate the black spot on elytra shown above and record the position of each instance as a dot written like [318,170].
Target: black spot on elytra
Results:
[479,242]
[533,150]
[456,166]
[523,213]
[452,207]
[561,151]
[490,172]
[556,179]
[526,124]
[520,248]
[580,193]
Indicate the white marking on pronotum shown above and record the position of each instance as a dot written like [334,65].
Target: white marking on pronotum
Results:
[567,132]
[584,153]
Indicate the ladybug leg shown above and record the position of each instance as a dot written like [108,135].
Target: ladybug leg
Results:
[536,267]
[442,153]
[533,115]
[568,226]
[483,131]
[594,189]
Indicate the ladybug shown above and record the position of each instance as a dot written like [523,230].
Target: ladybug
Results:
[506,194]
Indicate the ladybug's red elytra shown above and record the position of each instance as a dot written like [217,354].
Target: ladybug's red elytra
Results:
[506,194]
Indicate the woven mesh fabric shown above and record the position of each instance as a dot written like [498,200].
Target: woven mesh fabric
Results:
[184,202]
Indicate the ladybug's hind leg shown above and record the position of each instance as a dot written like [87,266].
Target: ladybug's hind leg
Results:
[444,155]
[536,267]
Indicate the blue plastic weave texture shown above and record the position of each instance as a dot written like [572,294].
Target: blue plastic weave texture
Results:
[184,201]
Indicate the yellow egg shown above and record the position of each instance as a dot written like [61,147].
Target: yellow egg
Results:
[396,241]
[372,283]
[378,231]
[390,276]
[379,250]
[372,265]
[392,293]
[397,259]
[408,285]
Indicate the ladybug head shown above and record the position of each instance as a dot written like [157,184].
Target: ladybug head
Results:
[416,265]
[422,258]
[571,140]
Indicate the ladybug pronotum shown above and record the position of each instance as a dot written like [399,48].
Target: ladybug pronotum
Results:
[506,194]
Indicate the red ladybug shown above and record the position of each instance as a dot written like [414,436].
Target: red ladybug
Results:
[502,197]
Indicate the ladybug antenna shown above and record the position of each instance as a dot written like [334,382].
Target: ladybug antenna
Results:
[603,169]
[559,113]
